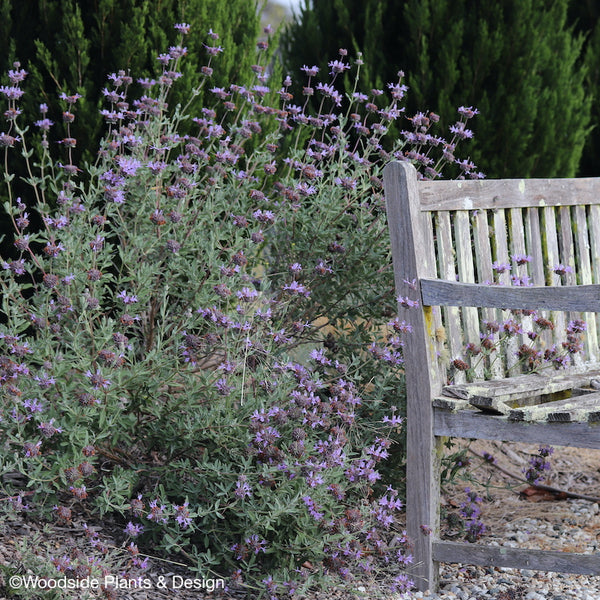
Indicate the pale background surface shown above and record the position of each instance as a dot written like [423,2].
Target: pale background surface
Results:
[290,4]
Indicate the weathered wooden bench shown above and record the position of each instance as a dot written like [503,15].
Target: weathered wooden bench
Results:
[451,242]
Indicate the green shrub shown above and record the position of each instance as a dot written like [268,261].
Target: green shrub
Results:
[199,340]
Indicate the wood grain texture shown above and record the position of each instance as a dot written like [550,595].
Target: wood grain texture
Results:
[534,248]
[517,247]
[533,244]
[517,558]
[502,256]
[411,258]
[436,292]
[584,277]
[577,408]
[511,389]
[550,236]
[479,426]
[483,262]
[441,363]
[508,193]
[446,259]
[466,272]
[594,239]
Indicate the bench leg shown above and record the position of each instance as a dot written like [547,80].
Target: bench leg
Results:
[422,502]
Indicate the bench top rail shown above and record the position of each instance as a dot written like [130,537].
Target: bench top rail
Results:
[508,193]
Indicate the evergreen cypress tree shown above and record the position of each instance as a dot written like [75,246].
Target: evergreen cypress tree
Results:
[585,18]
[517,61]
[71,45]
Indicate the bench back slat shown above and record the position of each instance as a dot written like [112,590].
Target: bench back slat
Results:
[500,234]
[484,260]
[583,248]
[445,262]
[518,247]
[466,272]
[534,246]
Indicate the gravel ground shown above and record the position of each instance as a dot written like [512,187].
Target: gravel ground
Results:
[537,521]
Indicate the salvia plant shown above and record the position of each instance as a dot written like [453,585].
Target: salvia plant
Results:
[471,513]
[197,332]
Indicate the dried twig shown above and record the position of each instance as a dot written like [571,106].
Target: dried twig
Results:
[539,486]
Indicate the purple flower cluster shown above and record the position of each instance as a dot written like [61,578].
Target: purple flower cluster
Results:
[529,324]
[470,511]
[539,466]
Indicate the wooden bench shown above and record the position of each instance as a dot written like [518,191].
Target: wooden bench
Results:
[450,240]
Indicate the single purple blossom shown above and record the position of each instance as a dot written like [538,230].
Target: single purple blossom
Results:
[97,380]
[183,28]
[242,488]
[337,67]
[127,298]
[128,165]
[561,269]
[310,71]
[32,449]
[133,530]
[182,515]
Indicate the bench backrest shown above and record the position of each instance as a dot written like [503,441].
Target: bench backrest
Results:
[512,234]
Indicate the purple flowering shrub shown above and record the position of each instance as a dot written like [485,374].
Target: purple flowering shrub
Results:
[197,332]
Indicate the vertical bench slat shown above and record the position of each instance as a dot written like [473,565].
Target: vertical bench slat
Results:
[594,227]
[534,246]
[438,324]
[483,248]
[552,257]
[518,247]
[583,260]
[501,243]
[483,262]
[567,255]
[447,270]
[502,256]
[466,272]
[594,236]
[567,245]
[517,239]
[533,237]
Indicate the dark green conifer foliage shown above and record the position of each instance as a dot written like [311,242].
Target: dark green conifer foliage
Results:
[71,45]
[518,61]
[585,17]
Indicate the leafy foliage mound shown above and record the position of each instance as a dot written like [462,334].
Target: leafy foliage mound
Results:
[197,333]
